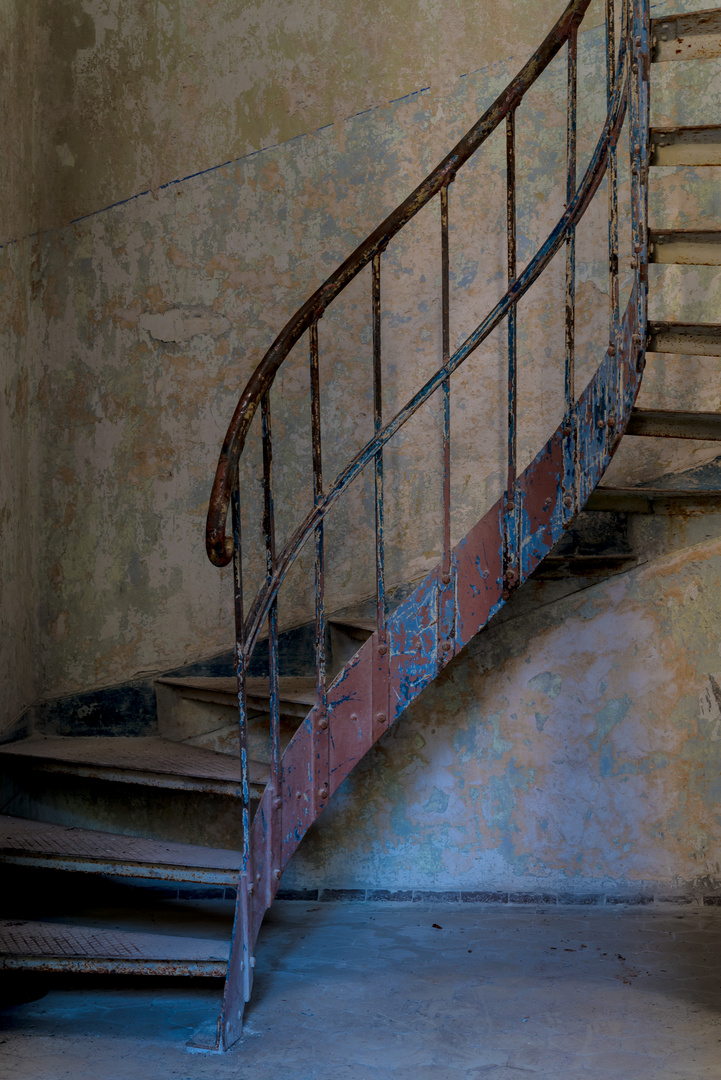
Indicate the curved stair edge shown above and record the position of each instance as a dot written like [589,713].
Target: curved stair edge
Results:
[444,618]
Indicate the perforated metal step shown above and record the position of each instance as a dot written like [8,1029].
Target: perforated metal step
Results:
[50,946]
[59,847]
[149,761]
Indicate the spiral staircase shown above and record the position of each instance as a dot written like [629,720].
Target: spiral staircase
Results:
[279,772]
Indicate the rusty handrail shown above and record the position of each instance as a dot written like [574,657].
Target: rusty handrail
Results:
[219,547]
[473,578]
[585,192]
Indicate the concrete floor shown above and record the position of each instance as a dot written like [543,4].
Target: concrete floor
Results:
[409,992]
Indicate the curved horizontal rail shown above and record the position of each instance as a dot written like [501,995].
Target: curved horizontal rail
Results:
[589,185]
[474,579]
[219,546]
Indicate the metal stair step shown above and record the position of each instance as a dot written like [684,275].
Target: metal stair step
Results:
[358,628]
[670,424]
[690,339]
[699,145]
[297,694]
[685,246]
[146,760]
[50,946]
[24,842]
[692,36]
[647,500]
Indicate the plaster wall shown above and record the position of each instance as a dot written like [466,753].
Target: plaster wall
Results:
[149,316]
[18,418]
[131,95]
[135,328]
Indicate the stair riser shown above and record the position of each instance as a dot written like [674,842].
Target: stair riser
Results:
[696,36]
[685,94]
[189,817]
[687,343]
[213,724]
[687,252]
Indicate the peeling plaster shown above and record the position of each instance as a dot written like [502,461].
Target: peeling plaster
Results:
[579,744]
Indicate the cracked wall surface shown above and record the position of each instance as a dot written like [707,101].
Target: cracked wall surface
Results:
[255,146]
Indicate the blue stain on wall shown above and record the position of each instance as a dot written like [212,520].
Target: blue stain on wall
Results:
[547,683]
[437,803]
[610,716]
[481,739]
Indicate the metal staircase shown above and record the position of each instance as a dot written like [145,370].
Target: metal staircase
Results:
[278,775]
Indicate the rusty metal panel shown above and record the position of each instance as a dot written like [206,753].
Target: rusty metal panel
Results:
[479,575]
[350,709]
[446,618]
[413,642]
[298,801]
[541,493]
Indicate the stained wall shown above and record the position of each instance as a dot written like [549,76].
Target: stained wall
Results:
[222,162]
[19,683]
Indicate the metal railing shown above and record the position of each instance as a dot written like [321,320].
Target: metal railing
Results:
[626,87]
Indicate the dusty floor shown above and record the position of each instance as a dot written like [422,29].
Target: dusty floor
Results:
[409,992]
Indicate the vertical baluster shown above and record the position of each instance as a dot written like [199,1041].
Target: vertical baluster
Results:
[317,496]
[639,119]
[613,284]
[446,347]
[273,832]
[378,423]
[510,532]
[246,871]
[571,499]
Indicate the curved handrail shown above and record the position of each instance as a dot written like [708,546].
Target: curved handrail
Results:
[584,194]
[476,576]
[219,547]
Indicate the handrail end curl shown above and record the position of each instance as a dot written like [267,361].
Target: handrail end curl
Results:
[219,547]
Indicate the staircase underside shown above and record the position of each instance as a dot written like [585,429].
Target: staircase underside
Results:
[437,621]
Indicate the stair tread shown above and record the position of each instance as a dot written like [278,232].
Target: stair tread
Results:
[685,246]
[68,941]
[640,500]
[676,424]
[694,35]
[298,689]
[692,144]
[43,838]
[142,754]
[691,339]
